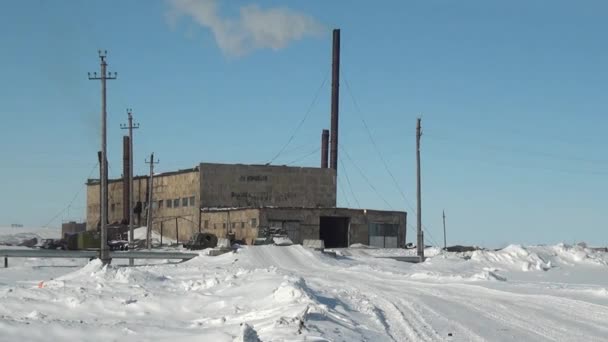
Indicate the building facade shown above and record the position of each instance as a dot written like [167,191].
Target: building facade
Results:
[178,196]
[338,227]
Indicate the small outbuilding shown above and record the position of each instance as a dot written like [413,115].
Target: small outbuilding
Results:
[337,227]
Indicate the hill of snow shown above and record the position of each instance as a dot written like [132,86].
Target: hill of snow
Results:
[16,235]
[521,293]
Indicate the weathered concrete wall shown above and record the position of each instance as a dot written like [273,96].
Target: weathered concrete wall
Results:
[236,185]
[243,222]
[307,221]
[182,186]
[72,227]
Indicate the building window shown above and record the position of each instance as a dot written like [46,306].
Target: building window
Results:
[176,203]
[242,225]
[169,203]
[254,222]
[112,207]
[192,201]
[233,225]
[184,202]
[206,224]
[224,225]
[214,226]
[160,204]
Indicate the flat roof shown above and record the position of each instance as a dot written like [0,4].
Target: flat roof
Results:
[95,181]
[213,210]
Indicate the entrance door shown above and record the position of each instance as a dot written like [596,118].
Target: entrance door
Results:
[383,235]
[334,231]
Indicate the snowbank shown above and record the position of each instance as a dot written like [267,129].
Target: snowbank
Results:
[139,233]
[16,235]
[272,293]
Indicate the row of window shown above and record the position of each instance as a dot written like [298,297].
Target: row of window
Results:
[233,225]
[175,203]
[170,203]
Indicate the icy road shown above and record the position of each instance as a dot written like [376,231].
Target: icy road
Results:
[550,293]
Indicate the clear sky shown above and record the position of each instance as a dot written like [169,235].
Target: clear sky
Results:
[512,95]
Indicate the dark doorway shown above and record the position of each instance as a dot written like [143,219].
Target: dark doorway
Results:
[333,231]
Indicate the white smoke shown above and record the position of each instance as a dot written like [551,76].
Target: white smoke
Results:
[255,28]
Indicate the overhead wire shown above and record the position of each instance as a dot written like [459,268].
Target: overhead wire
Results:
[304,157]
[350,186]
[73,199]
[365,178]
[340,185]
[297,129]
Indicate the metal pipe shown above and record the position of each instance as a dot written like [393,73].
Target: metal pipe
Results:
[335,99]
[126,187]
[324,148]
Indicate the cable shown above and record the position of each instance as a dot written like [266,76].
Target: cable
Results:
[518,150]
[305,156]
[310,107]
[73,199]
[369,134]
[365,178]
[343,192]
[350,186]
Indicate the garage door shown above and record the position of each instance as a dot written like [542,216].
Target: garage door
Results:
[383,235]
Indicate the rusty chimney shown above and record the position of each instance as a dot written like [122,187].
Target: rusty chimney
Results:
[126,187]
[324,148]
[335,97]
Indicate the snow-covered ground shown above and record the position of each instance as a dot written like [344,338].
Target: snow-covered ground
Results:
[16,235]
[553,293]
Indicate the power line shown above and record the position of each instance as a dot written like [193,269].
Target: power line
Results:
[365,178]
[377,149]
[73,199]
[310,107]
[349,183]
[518,150]
[343,192]
[305,156]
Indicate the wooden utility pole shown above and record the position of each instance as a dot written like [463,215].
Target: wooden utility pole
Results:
[445,244]
[130,127]
[104,252]
[420,234]
[176,231]
[150,201]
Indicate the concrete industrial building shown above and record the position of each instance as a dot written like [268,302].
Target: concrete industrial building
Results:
[244,200]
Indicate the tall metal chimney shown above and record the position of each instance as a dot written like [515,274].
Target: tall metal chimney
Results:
[324,148]
[126,186]
[335,97]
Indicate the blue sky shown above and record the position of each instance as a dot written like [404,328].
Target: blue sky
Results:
[512,96]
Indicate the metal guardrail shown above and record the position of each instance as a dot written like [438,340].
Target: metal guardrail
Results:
[49,253]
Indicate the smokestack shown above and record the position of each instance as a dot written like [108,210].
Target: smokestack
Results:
[335,97]
[324,148]
[126,186]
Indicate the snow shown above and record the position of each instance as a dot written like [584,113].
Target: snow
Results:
[16,235]
[277,293]
[139,233]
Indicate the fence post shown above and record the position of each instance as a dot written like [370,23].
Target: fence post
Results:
[161,233]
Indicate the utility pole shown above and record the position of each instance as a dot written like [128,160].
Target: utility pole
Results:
[420,237]
[150,201]
[104,253]
[131,126]
[445,244]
